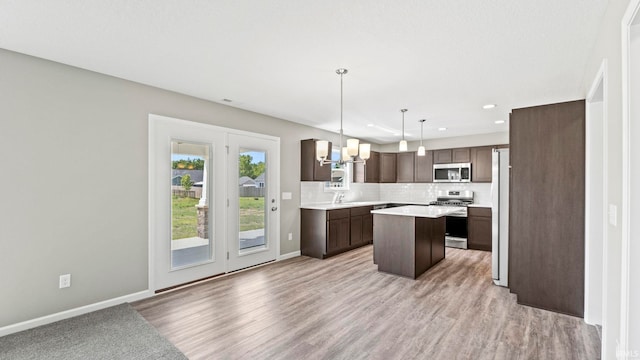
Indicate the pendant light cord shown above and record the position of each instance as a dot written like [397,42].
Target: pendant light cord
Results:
[341,144]
[403,124]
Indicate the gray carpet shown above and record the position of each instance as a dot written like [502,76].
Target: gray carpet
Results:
[117,332]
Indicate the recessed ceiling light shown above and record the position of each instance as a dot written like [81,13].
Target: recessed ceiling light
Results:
[499,121]
[442,129]
[227,100]
[489,106]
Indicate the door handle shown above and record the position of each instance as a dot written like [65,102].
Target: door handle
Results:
[274,208]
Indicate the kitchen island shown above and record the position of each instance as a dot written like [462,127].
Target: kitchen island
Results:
[408,240]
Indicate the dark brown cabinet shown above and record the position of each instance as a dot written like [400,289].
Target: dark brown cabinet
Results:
[461,155]
[326,233]
[361,225]
[369,173]
[448,156]
[442,156]
[310,169]
[408,246]
[479,228]
[388,167]
[424,168]
[406,167]
[337,235]
[367,228]
[481,164]
[546,206]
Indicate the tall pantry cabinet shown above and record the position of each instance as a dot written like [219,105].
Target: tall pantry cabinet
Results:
[547,203]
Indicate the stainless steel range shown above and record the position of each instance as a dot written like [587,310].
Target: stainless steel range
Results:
[456,230]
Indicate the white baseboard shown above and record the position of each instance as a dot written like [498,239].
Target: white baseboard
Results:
[289,255]
[29,324]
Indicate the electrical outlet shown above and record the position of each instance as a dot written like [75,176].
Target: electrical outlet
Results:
[65,281]
[290,236]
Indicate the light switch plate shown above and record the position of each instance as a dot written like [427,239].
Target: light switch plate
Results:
[286,196]
[613,215]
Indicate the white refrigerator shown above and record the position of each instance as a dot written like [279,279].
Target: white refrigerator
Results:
[500,217]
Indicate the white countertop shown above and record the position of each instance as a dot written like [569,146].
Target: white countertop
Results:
[345,205]
[419,211]
[480,205]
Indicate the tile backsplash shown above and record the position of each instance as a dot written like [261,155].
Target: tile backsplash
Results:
[428,192]
[313,192]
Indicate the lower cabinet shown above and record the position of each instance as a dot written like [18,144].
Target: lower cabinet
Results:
[337,235]
[329,232]
[479,228]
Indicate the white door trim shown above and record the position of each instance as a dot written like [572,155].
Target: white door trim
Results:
[627,21]
[151,185]
[594,292]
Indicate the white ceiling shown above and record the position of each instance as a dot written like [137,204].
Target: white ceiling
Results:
[442,60]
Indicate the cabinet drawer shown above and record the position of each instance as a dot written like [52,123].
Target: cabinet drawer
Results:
[479,211]
[338,214]
[363,210]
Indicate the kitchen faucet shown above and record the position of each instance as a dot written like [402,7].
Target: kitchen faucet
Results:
[337,197]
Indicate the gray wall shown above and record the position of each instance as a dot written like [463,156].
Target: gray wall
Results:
[74,144]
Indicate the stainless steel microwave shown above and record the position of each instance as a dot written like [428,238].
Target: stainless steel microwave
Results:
[460,172]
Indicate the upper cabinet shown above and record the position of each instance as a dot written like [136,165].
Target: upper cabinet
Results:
[461,155]
[310,169]
[369,173]
[442,156]
[448,156]
[388,167]
[403,167]
[406,167]
[481,164]
[424,168]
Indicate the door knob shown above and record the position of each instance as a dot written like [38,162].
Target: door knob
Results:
[274,208]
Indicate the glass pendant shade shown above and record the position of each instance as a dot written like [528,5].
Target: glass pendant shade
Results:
[345,154]
[322,149]
[365,151]
[403,145]
[421,151]
[352,147]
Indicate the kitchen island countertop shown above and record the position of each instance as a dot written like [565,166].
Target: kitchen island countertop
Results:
[419,211]
[351,204]
[485,205]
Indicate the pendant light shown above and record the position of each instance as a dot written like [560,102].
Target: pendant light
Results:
[347,153]
[403,143]
[421,150]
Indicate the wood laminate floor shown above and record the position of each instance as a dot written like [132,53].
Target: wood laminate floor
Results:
[343,308]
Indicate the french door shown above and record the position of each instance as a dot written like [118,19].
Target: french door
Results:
[253,232]
[212,200]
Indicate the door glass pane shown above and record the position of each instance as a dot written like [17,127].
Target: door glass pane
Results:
[252,187]
[190,239]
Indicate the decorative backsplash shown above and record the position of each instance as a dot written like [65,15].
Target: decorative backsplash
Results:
[428,192]
[313,192]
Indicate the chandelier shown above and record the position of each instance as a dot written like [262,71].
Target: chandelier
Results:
[348,153]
